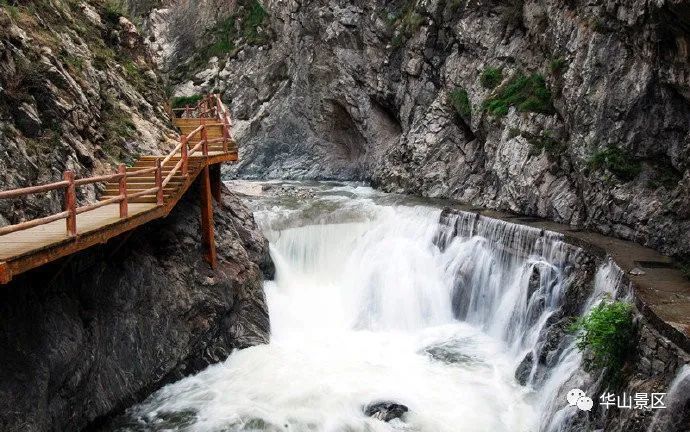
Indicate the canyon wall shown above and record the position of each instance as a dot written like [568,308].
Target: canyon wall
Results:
[88,335]
[568,110]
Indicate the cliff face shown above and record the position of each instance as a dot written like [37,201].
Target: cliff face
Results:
[84,338]
[569,110]
[78,91]
[90,334]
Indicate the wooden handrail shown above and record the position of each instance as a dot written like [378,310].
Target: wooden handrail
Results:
[32,223]
[16,193]
[210,107]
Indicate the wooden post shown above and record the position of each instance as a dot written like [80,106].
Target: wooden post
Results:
[71,204]
[204,138]
[208,241]
[159,182]
[186,111]
[124,207]
[185,157]
[216,183]
[225,135]
[5,273]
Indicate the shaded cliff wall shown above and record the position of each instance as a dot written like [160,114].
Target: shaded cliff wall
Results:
[87,336]
[569,110]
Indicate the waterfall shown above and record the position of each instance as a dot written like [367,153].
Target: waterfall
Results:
[378,298]
[677,404]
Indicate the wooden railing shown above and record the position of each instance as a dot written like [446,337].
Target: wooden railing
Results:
[69,183]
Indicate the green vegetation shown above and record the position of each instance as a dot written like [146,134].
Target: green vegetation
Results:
[254,19]
[544,142]
[617,161]
[118,127]
[606,333]
[405,22]
[558,66]
[491,77]
[244,24]
[183,101]
[11,8]
[528,93]
[460,101]
[114,9]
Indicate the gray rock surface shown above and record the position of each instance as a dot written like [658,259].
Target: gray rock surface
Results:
[78,91]
[360,90]
[86,337]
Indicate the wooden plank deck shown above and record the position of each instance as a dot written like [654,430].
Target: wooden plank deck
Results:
[20,243]
[24,250]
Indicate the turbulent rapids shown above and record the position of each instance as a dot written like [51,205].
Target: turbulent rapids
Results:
[380,298]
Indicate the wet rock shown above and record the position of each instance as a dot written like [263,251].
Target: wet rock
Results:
[637,272]
[524,369]
[385,411]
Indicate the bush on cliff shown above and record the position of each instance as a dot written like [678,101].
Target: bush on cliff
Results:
[491,77]
[605,334]
[460,101]
[617,161]
[527,93]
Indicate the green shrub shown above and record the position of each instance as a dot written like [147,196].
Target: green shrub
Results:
[558,66]
[617,161]
[460,101]
[114,9]
[528,93]
[406,22]
[606,333]
[253,19]
[183,101]
[543,142]
[491,77]
[226,34]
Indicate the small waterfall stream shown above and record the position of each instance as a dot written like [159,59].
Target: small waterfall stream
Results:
[373,300]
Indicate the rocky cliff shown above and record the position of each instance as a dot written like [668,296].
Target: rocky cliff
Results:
[86,336]
[569,110]
[78,91]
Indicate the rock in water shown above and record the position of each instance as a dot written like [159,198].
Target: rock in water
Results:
[385,411]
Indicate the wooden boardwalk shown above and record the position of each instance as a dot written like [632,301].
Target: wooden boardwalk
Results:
[133,196]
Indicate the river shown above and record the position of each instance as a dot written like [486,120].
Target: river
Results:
[375,300]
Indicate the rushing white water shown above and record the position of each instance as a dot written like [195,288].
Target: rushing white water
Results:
[374,300]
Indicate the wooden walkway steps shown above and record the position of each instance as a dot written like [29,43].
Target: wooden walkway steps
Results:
[133,196]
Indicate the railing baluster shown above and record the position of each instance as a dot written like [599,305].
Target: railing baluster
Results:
[70,204]
[204,138]
[185,157]
[124,207]
[159,182]
[225,136]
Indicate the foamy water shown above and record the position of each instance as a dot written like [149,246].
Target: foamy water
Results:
[362,310]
